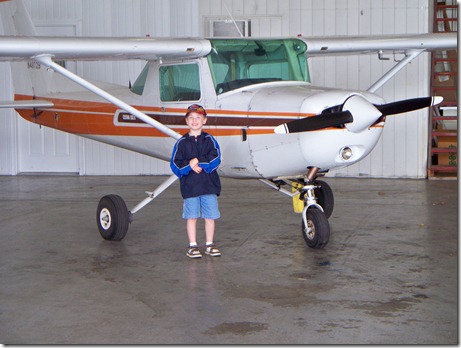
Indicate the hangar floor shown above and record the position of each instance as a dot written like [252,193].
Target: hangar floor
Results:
[389,274]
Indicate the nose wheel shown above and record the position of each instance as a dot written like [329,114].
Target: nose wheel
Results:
[315,228]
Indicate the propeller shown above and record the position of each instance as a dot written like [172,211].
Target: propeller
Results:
[357,114]
[408,105]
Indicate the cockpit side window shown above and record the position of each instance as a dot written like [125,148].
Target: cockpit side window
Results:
[179,82]
[138,86]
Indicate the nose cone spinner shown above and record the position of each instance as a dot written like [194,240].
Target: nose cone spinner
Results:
[364,113]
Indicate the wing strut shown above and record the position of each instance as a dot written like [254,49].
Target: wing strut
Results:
[395,69]
[47,61]
[152,195]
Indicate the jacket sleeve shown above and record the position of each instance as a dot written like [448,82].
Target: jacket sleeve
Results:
[179,165]
[212,159]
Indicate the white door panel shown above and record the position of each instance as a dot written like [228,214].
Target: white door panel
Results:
[42,149]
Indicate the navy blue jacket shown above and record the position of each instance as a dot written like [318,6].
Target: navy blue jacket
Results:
[206,149]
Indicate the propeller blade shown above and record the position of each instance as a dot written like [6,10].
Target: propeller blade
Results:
[315,122]
[408,105]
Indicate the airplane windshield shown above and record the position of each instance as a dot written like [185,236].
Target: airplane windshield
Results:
[236,63]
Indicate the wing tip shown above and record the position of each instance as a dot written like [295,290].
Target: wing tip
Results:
[25,104]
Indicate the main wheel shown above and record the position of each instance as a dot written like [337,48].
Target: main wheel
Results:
[317,232]
[325,197]
[112,218]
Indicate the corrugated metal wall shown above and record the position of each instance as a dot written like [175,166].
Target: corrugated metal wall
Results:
[402,149]
[8,120]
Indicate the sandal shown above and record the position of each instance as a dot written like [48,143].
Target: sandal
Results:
[194,253]
[212,250]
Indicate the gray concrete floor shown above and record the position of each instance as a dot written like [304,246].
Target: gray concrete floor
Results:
[389,274]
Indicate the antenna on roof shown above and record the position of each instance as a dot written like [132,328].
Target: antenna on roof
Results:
[233,20]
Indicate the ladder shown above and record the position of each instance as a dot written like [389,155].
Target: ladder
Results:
[443,127]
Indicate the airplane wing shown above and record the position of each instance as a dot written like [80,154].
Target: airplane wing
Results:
[101,48]
[109,48]
[320,46]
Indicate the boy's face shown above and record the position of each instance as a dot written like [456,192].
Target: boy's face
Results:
[195,121]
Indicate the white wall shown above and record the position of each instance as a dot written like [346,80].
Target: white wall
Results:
[400,153]
[8,121]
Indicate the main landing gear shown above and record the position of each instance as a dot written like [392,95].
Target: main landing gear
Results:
[113,217]
[318,206]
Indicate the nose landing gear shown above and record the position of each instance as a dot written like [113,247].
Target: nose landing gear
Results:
[315,226]
[318,205]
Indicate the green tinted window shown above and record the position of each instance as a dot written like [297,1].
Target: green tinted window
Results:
[237,63]
[179,82]
[138,86]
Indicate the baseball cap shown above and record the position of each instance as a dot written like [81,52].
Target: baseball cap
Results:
[196,108]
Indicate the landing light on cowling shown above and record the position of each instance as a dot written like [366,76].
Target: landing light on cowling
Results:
[346,153]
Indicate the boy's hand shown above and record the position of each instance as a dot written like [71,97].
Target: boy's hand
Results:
[194,165]
[193,162]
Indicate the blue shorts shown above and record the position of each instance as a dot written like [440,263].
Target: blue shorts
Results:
[205,206]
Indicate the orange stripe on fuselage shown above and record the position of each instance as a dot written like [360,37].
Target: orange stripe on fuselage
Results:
[97,118]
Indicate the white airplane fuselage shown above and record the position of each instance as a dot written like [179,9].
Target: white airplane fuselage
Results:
[242,120]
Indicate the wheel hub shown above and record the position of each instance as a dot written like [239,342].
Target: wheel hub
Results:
[105,218]
[310,230]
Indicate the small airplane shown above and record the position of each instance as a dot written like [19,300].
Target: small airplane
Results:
[271,123]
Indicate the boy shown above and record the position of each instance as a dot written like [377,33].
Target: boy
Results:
[195,160]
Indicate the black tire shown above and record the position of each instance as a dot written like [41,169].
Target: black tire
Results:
[112,217]
[325,197]
[317,233]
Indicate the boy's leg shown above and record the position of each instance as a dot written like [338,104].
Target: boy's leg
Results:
[193,251]
[209,230]
[211,248]
[191,212]
[210,212]
[192,231]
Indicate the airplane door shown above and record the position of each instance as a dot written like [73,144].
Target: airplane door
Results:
[42,149]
